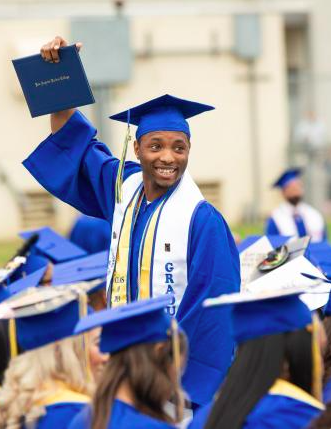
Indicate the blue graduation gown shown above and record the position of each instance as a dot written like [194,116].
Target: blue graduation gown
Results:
[80,170]
[61,408]
[123,416]
[91,233]
[59,416]
[271,412]
[271,228]
[327,392]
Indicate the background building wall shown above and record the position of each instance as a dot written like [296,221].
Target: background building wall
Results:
[187,55]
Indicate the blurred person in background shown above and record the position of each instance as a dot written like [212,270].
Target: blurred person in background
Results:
[165,237]
[143,374]
[294,217]
[91,233]
[54,378]
[275,379]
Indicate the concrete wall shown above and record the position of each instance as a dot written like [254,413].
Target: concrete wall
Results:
[180,64]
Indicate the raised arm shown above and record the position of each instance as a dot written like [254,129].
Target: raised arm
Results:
[50,53]
[73,165]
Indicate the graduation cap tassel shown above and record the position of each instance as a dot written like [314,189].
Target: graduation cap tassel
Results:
[83,313]
[317,367]
[120,172]
[179,399]
[12,338]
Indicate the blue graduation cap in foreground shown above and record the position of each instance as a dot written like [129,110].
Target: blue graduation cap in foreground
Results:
[286,177]
[47,314]
[264,313]
[138,322]
[82,269]
[4,293]
[54,246]
[165,113]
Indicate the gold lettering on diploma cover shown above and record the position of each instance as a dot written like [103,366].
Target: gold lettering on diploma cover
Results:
[52,81]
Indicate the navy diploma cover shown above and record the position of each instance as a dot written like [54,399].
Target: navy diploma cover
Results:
[52,87]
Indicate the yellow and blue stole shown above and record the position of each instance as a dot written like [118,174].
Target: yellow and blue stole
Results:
[285,388]
[120,292]
[62,394]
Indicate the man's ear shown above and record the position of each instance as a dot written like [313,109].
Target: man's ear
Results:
[136,148]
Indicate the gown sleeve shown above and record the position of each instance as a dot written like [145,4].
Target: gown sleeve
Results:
[276,411]
[213,269]
[82,420]
[59,416]
[78,169]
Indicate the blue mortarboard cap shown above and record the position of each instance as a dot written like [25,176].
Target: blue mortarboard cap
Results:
[32,280]
[82,269]
[33,263]
[275,241]
[286,177]
[327,308]
[48,314]
[138,322]
[4,293]
[53,245]
[165,113]
[320,254]
[255,315]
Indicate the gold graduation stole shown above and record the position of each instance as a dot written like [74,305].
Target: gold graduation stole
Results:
[120,282]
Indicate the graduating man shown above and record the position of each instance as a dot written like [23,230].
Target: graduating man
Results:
[165,237]
[293,216]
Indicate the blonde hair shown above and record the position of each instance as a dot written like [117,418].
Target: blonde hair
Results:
[33,376]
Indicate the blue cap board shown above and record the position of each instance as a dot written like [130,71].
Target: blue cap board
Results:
[53,246]
[4,293]
[258,314]
[47,314]
[31,280]
[275,241]
[87,268]
[287,177]
[165,113]
[144,321]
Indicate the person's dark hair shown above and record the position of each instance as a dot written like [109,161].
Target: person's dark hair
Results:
[327,351]
[323,421]
[258,364]
[147,373]
[4,348]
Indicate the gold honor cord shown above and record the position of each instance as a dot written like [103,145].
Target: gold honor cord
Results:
[119,280]
[317,364]
[120,172]
[146,261]
[12,338]
[82,302]
[179,398]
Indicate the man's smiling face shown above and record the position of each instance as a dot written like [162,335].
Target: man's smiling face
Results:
[163,156]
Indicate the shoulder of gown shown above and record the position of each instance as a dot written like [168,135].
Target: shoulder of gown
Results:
[278,411]
[123,416]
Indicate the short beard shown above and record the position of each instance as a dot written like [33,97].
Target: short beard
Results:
[294,201]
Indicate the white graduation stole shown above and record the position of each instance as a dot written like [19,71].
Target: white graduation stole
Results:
[163,253]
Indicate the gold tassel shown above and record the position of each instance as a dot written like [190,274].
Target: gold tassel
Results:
[120,172]
[82,313]
[12,338]
[317,365]
[179,398]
